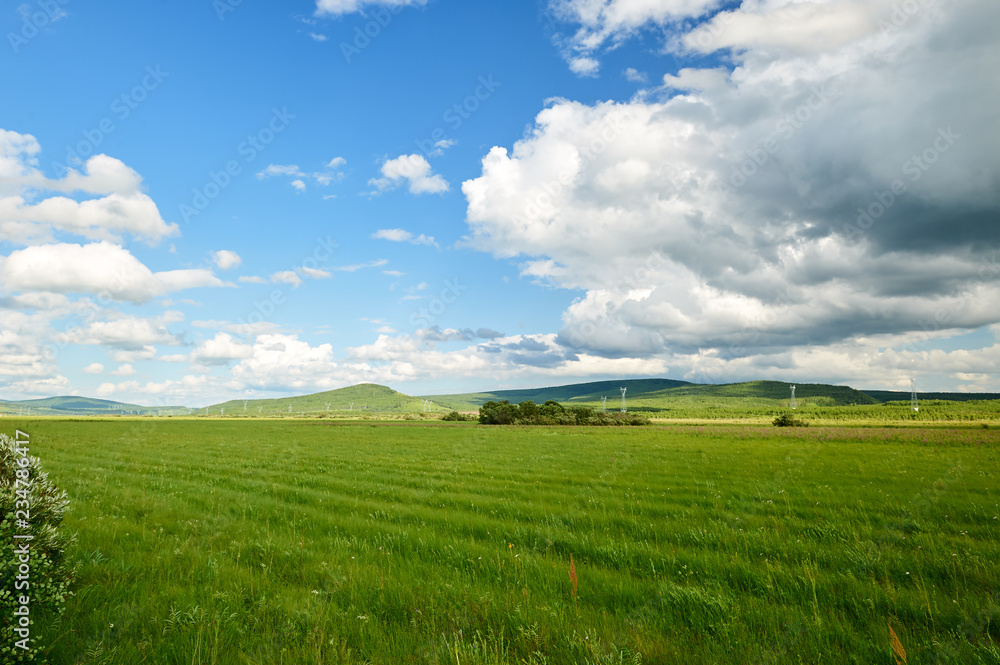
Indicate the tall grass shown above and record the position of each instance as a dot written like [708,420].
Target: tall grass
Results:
[312,542]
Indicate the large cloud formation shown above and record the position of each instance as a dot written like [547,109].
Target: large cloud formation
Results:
[839,182]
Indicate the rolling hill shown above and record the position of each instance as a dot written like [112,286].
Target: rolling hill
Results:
[655,395]
[84,406]
[362,398]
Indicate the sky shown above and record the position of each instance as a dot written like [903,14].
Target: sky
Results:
[212,199]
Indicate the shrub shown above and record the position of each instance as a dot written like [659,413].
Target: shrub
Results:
[47,580]
[788,420]
[454,416]
[551,413]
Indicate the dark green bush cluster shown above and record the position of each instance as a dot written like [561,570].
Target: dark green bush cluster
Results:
[788,420]
[551,413]
[457,417]
[44,579]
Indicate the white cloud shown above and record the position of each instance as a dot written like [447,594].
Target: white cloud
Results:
[317,37]
[226,259]
[252,279]
[116,205]
[341,7]
[584,66]
[124,370]
[94,368]
[377,263]
[599,22]
[98,268]
[220,350]
[331,172]
[315,273]
[635,76]
[400,235]
[280,170]
[415,171]
[126,333]
[287,277]
[712,224]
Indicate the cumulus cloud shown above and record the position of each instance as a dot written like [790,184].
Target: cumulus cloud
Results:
[287,277]
[220,350]
[101,268]
[126,333]
[820,194]
[341,7]
[111,201]
[94,368]
[401,235]
[124,370]
[414,171]
[226,259]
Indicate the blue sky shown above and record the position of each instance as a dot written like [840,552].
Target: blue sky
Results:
[206,200]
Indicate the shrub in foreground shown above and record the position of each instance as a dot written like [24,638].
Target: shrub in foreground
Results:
[788,420]
[38,573]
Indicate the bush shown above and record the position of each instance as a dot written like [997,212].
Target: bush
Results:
[455,416]
[47,580]
[551,413]
[788,420]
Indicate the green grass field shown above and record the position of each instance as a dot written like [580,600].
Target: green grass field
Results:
[308,541]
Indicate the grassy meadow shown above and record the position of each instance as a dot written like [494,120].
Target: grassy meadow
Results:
[311,541]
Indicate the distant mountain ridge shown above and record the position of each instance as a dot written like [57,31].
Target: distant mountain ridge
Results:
[652,395]
[83,406]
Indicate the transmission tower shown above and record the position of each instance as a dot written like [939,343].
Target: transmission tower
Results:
[623,399]
[913,395]
[604,405]
[793,398]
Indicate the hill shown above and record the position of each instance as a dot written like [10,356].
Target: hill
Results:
[362,398]
[900,396]
[576,393]
[84,406]
[655,395]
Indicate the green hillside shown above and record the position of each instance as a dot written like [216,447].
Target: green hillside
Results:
[900,396]
[84,406]
[655,395]
[577,393]
[362,398]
